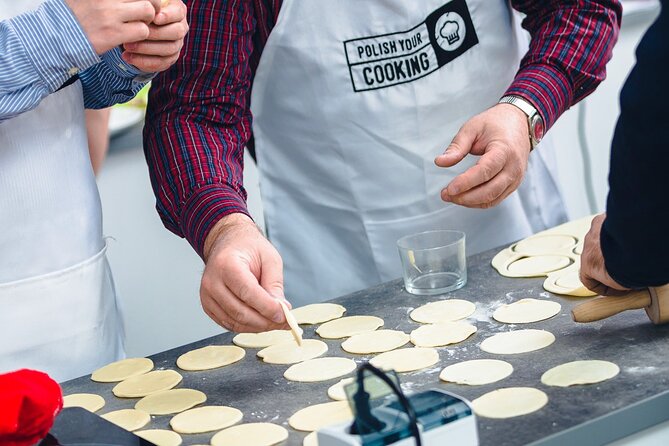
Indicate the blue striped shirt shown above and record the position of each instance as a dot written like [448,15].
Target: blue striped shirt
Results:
[41,50]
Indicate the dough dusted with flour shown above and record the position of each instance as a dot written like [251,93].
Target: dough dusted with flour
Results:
[443,311]
[517,341]
[210,357]
[526,310]
[262,340]
[375,341]
[337,392]
[290,353]
[128,419]
[121,370]
[142,385]
[314,417]
[160,437]
[348,326]
[441,334]
[406,359]
[318,313]
[251,434]
[170,401]
[476,372]
[509,402]
[205,419]
[580,372]
[89,401]
[319,369]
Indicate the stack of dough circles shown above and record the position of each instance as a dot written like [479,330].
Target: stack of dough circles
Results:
[375,341]
[319,369]
[348,326]
[476,372]
[337,392]
[88,401]
[315,417]
[160,437]
[443,311]
[580,372]
[441,334]
[128,419]
[210,357]
[143,385]
[205,419]
[290,353]
[122,370]
[526,310]
[251,434]
[518,341]
[262,340]
[318,313]
[311,440]
[509,402]
[170,401]
[406,359]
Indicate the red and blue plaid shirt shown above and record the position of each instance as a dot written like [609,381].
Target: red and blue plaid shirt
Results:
[199,121]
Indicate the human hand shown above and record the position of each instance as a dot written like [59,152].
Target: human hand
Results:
[110,23]
[500,136]
[163,45]
[593,272]
[243,277]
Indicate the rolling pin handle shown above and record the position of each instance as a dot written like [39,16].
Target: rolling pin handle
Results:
[603,307]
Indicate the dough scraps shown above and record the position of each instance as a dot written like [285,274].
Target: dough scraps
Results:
[406,359]
[88,401]
[121,370]
[289,352]
[205,419]
[375,341]
[314,417]
[251,434]
[476,372]
[517,341]
[441,334]
[318,313]
[210,357]
[146,384]
[160,437]
[336,391]
[262,340]
[580,372]
[319,369]
[128,419]
[509,402]
[348,326]
[170,401]
[526,310]
[443,311]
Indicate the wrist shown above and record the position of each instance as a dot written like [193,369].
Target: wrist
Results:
[534,121]
[227,224]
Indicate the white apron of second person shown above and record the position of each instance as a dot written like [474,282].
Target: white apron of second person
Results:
[58,310]
[352,101]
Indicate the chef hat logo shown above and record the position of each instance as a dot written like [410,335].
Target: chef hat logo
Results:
[450,31]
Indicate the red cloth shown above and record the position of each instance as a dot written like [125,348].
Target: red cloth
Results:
[29,403]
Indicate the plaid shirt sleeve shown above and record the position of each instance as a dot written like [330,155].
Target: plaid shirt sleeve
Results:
[571,43]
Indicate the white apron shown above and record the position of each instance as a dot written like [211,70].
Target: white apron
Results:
[352,101]
[58,310]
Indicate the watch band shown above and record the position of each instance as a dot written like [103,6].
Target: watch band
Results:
[530,111]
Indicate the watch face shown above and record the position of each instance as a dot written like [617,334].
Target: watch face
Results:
[538,128]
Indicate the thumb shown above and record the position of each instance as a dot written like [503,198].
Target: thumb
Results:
[460,146]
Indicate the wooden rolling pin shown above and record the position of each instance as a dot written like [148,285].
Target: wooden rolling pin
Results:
[654,300]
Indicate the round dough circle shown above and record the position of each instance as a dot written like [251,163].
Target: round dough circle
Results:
[311,439]
[580,372]
[121,370]
[318,313]
[544,244]
[375,341]
[250,434]
[517,341]
[128,419]
[538,265]
[170,401]
[443,333]
[319,369]
[443,311]
[348,326]
[406,359]
[290,353]
[509,402]
[210,357]
[476,372]
[160,437]
[567,283]
[336,391]
[314,417]
[205,419]
[89,401]
[146,384]
[262,340]
[526,310]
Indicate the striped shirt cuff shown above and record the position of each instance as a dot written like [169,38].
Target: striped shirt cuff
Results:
[122,68]
[55,43]
[205,208]
[545,87]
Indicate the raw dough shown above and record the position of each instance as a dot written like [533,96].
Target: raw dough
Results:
[124,369]
[443,311]
[319,369]
[545,244]
[205,419]
[313,418]
[567,282]
[142,385]
[336,391]
[250,434]
[210,357]
[170,401]
[160,437]
[262,340]
[406,359]
[580,372]
[295,329]
[375,341]
[88,401]
[318,313]
[128,419]
[518,341]
[526,310]
[476,372]
[538,265]
[443,333]
[509,402]
[311,439]
[348,326]
[290,353]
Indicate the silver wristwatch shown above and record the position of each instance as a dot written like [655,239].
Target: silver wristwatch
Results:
[535,122]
